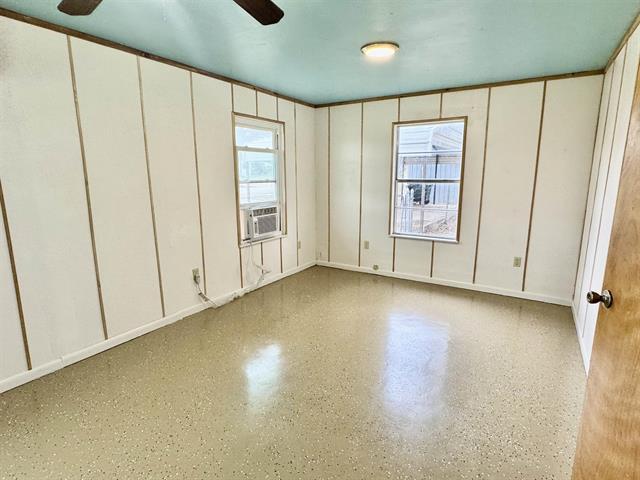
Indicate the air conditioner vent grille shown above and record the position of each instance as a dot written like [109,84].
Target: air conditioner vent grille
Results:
[267,224]
[257,212]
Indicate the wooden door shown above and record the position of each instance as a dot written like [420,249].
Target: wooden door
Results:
[609,439]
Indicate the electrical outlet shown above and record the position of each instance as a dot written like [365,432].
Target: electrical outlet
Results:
[196,275]
[376,267]
[366,244]
[517,261]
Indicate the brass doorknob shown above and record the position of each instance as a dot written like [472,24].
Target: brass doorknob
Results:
[606,298]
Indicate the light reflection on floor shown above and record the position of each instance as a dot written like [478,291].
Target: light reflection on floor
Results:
[415,368]
[262,372]
[326,375]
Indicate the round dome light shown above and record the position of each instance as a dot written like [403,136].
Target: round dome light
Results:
[380,49]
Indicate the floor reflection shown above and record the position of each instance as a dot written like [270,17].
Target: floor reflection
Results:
[262,372]
[415,370]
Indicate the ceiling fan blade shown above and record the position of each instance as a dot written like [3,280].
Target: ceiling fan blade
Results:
[265,11]
[78,7]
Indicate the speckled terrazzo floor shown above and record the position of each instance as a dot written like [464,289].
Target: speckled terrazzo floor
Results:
[324,375]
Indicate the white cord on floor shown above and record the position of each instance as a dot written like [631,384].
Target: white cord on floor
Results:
[201,294]
[204,297]
[263,271]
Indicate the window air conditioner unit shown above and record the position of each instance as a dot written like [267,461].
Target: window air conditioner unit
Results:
[262,222]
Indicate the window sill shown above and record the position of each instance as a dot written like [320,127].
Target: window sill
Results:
[430,239]
[248,243]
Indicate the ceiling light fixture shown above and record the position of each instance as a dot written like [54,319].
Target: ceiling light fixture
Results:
[380,49]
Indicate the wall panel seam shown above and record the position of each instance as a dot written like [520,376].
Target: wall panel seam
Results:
[87,190]
[392,200]
[484,163]
[329,184]
[535,185]
[14,274]
[295,162]
[360,204]
[195,154]
[433,244]
[150,186]
[235,186]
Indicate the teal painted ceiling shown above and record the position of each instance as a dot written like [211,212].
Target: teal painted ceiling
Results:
[314,52]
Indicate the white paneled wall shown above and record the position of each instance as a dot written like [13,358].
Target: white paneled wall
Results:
[13,357]
[506,156]
[321,160]
[244,100]
[43,182]
[570,112]
[289,243]
[168,122]
[456,262]
[173,166]
[512,144]
[271,256]
[615,111]
[306,177]
[376,183]
[212,107]
[267,106]
[344,183]
[251,258]
[109,106]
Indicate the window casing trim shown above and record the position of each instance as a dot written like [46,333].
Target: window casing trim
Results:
[237,118]
[394,181]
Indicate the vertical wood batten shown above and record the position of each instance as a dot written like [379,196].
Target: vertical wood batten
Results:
[151,202]
[14,273]
[360,197]
[329,184]
[295,159]
[392,200]
[484,161]
[433,244]
[195,152]
[535,184]
[87,190]
[235,176]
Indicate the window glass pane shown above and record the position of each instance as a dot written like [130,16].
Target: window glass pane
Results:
[258,193]
[427,209]
[429,166]
[254,137]
[430,151]
[244,193]
[256,166]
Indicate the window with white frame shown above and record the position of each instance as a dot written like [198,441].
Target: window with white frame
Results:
[259,156]
[428,167]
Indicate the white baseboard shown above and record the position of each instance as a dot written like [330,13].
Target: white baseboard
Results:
[451,283]
[65,360]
